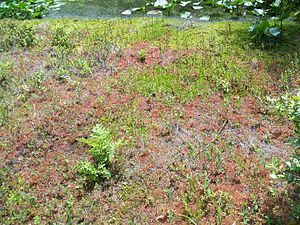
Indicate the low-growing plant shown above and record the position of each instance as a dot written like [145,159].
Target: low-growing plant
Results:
[286,105]
[199,199]
[62,39]
[290,170]
[143,54]
[16,35]
[103,150]
[17,198]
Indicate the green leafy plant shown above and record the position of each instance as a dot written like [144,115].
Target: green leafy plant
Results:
[62,39]
[286,105]
[290,171]
[102,149]
[17,198]
[237,7]
[270,15]
[199,199]
[143,54]
[263,30]
[21,9]
[15,35]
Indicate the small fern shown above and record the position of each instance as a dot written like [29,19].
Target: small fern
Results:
[102,149]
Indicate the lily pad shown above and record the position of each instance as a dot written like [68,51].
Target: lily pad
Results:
[154,12]
[127,12]
[204,18]
[185,3]
[197,7]
[259,12]
[248,4]
[185,14]
[137,9]
[160,3]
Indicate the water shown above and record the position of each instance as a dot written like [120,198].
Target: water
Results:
[114,8]
[95,8]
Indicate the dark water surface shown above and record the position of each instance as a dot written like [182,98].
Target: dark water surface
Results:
[113,8]
[95,8]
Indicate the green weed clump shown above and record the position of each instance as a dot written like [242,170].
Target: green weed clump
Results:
[289,105]
[17,200]
[62,39]
[290,170]
[15,35]
[102,149]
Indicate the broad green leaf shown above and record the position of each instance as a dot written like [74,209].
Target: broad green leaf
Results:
[204,18]
[185,3]
[160,3]
[137,9]
[185,15]
[150,4]
[248,4]
[259,12]
[273,31]
[127,12]
[154,12]
[252,28]
[276,3]
[197,7]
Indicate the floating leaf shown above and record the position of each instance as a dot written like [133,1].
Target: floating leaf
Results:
[154,12]
[127,12]
[150,4]
[185,15]
[274,18]
[160,3]
[185,3]
[197,7]
[57,5]
[259,12]
[220,3]
[204,18]
[248,4]
[137,9]
[169,5]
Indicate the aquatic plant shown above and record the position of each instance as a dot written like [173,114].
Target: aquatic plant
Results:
[166,7]
[270,14]
[20,9]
